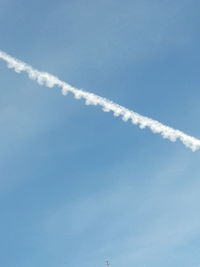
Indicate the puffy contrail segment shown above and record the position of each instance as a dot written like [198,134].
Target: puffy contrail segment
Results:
[44,78]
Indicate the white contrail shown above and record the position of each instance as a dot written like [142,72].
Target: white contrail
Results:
[49,80]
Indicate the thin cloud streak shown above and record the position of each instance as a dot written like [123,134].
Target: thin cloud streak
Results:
[44,78]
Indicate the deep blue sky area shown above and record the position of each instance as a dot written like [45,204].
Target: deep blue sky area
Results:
[77,185]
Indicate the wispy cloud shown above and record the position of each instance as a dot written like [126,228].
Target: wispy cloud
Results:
[49,80]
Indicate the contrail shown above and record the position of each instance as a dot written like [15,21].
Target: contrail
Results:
[49,80]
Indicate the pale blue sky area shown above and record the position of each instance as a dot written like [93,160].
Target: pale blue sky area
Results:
[77,185]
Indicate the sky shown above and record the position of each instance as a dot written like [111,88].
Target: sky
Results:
[77,185]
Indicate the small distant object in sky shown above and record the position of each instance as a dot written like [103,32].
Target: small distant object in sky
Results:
[107,264]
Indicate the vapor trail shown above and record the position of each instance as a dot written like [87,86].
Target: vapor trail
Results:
[49,80]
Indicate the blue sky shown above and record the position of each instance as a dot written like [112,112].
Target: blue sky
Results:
[78,186]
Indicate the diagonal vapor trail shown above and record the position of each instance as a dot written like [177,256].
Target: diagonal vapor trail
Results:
[44,78]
